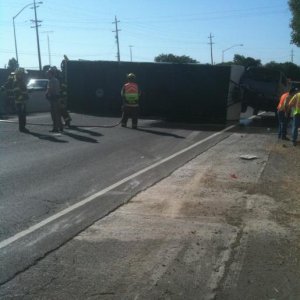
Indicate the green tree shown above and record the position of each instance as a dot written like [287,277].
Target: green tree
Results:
[291,70]
[295,21]
[12,64]
[246,61]
[171,58]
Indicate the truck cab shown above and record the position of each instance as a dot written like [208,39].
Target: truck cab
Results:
[261,88]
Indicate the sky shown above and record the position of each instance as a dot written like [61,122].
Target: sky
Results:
[148,28]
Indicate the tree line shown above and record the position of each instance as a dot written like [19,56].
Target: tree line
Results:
[291,70]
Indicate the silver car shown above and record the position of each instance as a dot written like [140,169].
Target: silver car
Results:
[37,101]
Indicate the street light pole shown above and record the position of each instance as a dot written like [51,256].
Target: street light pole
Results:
[16,48]
[15,37]
[237,45]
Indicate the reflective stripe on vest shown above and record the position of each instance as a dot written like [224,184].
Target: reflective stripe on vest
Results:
[131,92]
[296,104]
[20,96]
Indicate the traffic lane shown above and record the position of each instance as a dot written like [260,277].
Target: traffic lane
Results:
[23,249]
[39,178]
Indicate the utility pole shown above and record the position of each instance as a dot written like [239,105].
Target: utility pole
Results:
[36,26]
[292,56]
[211,51]
[130,47]
[48,40]
[117,37]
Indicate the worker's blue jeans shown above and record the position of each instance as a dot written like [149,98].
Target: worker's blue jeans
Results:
[282,124]
[296,124]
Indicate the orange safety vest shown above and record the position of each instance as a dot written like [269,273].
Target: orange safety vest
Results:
[283,103]
[131,93]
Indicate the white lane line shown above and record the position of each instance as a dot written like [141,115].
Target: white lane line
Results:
[37,226]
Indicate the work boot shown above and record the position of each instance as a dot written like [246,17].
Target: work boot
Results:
[24,130]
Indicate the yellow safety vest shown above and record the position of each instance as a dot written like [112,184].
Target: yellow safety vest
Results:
[295,104]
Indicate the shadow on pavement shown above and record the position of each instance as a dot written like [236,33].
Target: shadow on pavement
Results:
[93,133]
[161,133]
[80,137]
[47,137]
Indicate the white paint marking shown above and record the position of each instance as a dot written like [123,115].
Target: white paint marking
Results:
[37,226]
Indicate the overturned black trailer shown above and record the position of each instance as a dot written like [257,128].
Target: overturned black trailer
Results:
[261,89]
[181,92]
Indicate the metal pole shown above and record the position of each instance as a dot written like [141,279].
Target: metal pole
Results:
[15,37]
[211,49]
[16,48]
[49,49]
[37,37]
[48,43]
[117,37]
[237,45]
[130,47]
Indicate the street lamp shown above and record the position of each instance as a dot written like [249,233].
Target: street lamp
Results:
[223,51]
[16,48]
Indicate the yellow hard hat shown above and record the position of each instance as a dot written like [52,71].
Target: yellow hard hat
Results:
[20,72]
[130,76]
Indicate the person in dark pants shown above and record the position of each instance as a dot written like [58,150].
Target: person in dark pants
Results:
[20,96]
[283,113]
[294,104]
[64,92]
[9,103]
[52,94]
[130,94]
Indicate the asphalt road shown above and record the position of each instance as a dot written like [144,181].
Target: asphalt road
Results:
[53,187]
[221,226]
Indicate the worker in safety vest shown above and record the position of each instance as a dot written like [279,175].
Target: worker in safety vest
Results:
[7,87]
[53,94]
[294,104]
[130,94]
[63,101]
[20,96]
[283,113]
[64,92]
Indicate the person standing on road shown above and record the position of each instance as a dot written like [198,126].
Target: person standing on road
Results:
[63,102]
[20,96]
[294,104]
[130,94]
[283,113]
[64,92]
[52,94]
[7,87]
